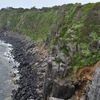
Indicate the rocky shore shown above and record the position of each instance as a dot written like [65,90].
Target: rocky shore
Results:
[26,53]
[43,78]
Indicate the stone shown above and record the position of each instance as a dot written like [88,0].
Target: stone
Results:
[98,42]
[41,78]
[14,92]
[38,91]
[47,87]
[93,90]
[54,72]
[82,98]
[54,64]
[55,51]
[13,74]
[71,51]
[44,64]
[64,91]
[49,68]
[36,64]
[62,56]
[22,98]
[15,66]
[61,72]
[52,98]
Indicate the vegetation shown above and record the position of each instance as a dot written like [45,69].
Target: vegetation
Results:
[75,27]
[58,60]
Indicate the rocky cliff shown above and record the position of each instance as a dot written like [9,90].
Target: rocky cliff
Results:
[68,37]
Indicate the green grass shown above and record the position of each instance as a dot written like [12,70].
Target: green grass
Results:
[76,25]
[58,60]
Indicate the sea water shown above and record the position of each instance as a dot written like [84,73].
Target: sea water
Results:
[6,69]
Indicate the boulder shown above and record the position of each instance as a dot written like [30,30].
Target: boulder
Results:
[63,70]
[49,68]
[63,91]
[48,84]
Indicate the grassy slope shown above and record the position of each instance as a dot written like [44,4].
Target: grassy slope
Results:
[77,25]
[83,23]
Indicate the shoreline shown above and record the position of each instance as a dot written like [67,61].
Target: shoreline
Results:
[27,56]
[7,71]
[40,78]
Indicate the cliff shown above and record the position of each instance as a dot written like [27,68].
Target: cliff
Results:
[73,27]
[70,34]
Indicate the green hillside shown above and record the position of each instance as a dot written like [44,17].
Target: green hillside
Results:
[75,27]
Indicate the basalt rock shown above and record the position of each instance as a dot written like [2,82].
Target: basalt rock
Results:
[54,87]
[63,91]
[29,72]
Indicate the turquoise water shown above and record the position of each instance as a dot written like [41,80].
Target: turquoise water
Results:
[6,68]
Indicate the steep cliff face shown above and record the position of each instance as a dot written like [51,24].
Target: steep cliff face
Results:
[76,87]
[71,35]
[93,90]
[72,28]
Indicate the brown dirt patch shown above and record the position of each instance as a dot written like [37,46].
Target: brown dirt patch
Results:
[42,49]
[82,77]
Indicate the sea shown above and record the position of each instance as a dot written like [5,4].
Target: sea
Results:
[8,66]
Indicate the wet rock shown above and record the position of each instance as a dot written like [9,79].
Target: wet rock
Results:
[15,66]
[52,98]
[22,98]
[14,93]
[13,74]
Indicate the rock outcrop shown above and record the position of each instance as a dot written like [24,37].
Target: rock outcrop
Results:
[93,89]
[45,78]
[55,86]
[73,40]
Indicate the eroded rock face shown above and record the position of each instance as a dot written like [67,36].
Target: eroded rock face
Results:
[54,86]
[62,91]
[93,90]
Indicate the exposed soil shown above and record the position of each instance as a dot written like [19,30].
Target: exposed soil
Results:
[82,77]
[42,49]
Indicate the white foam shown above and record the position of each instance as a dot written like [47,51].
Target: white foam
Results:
[11,62]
